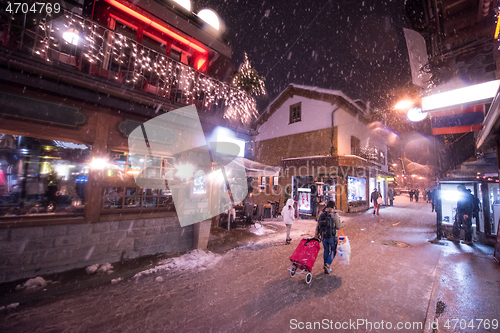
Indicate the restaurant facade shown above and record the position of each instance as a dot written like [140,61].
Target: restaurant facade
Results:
[73,88]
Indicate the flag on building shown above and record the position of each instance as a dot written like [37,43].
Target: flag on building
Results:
[459,120]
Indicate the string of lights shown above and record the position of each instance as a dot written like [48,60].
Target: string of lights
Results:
[127,61]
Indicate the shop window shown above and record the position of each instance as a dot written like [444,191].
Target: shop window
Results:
[123,163]
[42,177]
[262,184]
[295,112]
[356,188]
[450,196]
[275,183]
[128,198]
[355,146]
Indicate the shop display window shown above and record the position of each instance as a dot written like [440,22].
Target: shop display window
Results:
[262,182]
[41,177]
[127,198]
[356,189]
[130,198]
[494,202]
[122,163]
[304,199]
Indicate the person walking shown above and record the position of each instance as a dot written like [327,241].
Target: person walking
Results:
[374,198]
[417,192]
[328,224]
[411,195]
[288,217]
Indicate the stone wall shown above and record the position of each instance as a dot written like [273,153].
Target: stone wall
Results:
[30,251]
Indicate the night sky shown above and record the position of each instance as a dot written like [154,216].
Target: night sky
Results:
[354,46]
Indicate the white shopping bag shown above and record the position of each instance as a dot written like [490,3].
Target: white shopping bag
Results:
[343,249]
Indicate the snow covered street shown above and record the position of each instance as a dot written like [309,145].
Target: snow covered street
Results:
[249,289]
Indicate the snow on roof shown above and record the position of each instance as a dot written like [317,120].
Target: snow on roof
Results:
[328,92]
[317,89]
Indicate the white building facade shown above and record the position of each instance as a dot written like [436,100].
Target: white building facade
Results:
[326,147]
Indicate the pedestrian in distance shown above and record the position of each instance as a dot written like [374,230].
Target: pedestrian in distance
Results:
[391,196]
[417,192]
[288,217]
[374,198]
[328,224]
[432,198]
[411,195]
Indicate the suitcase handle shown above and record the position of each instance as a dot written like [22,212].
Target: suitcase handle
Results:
[311,239]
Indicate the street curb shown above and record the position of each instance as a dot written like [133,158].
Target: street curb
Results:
[431,307]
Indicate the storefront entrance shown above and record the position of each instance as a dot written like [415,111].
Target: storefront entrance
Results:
[311,194]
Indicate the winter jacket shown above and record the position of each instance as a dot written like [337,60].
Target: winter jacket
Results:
[374,196]
[288,213]
[336,220]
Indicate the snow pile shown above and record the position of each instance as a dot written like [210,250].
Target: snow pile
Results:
[196,259]
[116,280]
[33,284]
[159,279]
[92,269]
[9,307]
[261,231]
[106,268]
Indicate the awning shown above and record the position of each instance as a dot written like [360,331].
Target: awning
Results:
[490,122]
[256,169]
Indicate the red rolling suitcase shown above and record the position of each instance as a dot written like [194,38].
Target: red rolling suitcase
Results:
[304,257]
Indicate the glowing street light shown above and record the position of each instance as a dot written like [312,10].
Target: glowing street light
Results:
[184,171]
[71,36]
[480,92]
[210,17]
[416,114]
[404,104]
[98,164]
[184,3]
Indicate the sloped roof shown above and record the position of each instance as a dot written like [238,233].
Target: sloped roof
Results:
[310,92]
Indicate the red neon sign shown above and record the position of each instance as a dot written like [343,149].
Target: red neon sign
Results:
[200,63]
[156,25]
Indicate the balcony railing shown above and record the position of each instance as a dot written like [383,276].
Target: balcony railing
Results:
[69,40]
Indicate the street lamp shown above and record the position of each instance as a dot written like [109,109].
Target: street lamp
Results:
[404,104]
[416,114]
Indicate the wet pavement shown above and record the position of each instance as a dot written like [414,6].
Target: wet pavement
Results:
[249,289]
